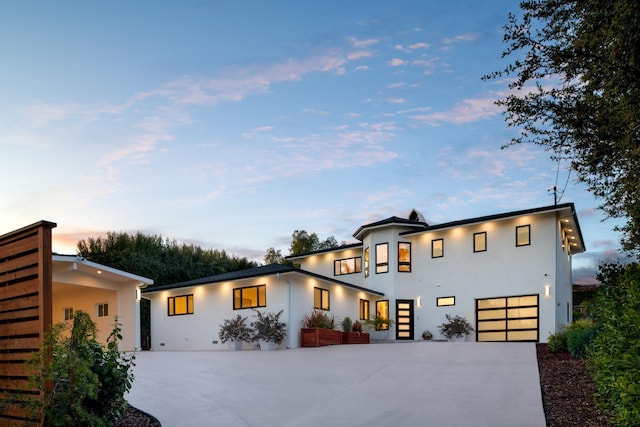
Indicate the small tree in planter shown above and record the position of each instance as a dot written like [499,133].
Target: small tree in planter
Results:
[346,324]
[268,329]
[235,332]
[455,327]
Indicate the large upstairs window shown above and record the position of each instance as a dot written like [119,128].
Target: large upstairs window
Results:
[382,258]
[347,266]
[404,257]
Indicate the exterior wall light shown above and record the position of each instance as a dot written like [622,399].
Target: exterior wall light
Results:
[547,290]
[419,301]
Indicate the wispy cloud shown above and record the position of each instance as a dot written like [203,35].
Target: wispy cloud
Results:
[397,62]
[469,110]
[410,48]
[362,43]
[467,37]
[255,132]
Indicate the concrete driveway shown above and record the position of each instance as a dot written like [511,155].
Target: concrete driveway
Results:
[409,384]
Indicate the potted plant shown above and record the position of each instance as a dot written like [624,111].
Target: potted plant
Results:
[235,332]
[426,335]
[318,329]
[379,327]
[455,328]
[269,331]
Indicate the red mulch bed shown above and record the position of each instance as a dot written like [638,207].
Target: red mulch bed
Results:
[567,391]
[567,395]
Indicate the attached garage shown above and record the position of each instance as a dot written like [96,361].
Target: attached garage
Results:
[512,318]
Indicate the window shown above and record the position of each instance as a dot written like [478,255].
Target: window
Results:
[321,298]
[382,310]
[480,241]
[523,235]
[102,310]
[445,301]
[347,266]
[180,305]
[404,257]
[250,297]
[382,258]
[366,262]
[364,309]
[68,313]
[437,248]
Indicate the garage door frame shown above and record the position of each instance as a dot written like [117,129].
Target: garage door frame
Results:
[514,311]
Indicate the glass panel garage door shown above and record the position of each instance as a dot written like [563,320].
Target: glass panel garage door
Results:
[507,318]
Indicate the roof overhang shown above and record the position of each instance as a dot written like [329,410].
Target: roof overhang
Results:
[62,263]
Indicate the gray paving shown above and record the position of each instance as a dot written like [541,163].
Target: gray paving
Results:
[410,384]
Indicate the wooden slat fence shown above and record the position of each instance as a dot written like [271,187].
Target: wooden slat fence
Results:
[25,314]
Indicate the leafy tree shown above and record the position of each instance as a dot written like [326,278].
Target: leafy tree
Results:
[303,242]
[273,256]
[575,90]
[164,261]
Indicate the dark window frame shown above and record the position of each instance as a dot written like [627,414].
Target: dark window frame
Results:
[385,326]
[357,264]
[365,306]
[102,309]
[445,305]
[432,247]
[475,249]
[404,263]
[319,305]
[367,256]
[382,267]
[528,227]
[171,305]
[242,306]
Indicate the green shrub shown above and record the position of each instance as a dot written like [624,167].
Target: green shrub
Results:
[557,343]
[615,355]
[83,382]
[579,336]
[346,323]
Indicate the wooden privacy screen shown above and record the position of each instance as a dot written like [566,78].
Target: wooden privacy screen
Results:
[25,313]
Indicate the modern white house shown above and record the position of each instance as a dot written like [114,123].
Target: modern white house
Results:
[509,274]
[101,291]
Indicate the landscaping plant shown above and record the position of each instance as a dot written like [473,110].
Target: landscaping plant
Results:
[235,330]
[346,324]
[318,319]
[268,327]
[83,382]
[456,326]
[615,354]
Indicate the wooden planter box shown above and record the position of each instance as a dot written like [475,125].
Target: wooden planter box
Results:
[316,337]
[355,338]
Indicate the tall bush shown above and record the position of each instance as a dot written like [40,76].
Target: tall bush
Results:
[83,382]
[615,355]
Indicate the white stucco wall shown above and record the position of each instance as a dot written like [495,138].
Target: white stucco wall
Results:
[213,303]
[84,293]
[501,271]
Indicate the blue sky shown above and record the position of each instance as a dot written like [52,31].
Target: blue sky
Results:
[229,124]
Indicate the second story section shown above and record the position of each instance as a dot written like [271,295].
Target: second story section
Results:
[397,251]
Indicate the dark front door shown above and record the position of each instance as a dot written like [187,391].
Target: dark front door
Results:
[404,319]
[145,324]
